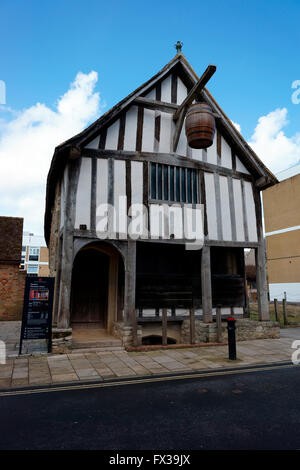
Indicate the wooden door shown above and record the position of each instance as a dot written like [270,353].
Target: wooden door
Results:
[90,288]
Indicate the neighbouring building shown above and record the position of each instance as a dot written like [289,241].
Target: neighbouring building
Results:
[12,280]
[282,226]
[136,158]
[35,255]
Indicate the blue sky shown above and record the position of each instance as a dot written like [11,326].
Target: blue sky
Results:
[255,45]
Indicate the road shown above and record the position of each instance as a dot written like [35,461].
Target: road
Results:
[257,410]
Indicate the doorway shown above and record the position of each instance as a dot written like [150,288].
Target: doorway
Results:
[89,296]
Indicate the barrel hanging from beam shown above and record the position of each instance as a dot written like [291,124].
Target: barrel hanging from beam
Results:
[200,126]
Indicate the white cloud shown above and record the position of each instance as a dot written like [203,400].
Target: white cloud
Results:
[237,126]
[271,144]
[27,144]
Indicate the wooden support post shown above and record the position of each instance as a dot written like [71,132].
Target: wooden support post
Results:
[277,316]
[130,317]
[219,324]
[63,315]
[135,330]
[192,325]
[261,282]
[57,281]
[164,327]
[247,307]
[261,263]
[285,319]
[206,284]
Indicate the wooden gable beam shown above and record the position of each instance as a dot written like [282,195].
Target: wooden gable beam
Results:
[156,105]
[207,74]
[180,113]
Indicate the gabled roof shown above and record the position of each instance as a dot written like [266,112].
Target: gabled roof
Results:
[76,143]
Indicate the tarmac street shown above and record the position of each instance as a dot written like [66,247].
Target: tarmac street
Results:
[246,409]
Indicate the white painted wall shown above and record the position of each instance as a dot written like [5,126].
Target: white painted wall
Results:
[225,209]
[120,203]
[83,196]
[292,290]
[112,136]
[250,212]
[212,152]
[166,89]
[241,167]
[238,208]
[166,127]
[136,182]
[226,160]
[211,207]
[94,144]
[181,91]
[102,181]
[131,128]
[148,131]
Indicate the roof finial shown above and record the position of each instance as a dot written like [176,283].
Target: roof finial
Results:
[178,46]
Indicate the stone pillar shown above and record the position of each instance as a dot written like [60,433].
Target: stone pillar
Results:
[206,284]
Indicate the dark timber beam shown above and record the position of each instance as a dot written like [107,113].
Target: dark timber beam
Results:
[156,105]
[207,74]
[180,113]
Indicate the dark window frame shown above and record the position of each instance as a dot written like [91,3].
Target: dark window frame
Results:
[173,184]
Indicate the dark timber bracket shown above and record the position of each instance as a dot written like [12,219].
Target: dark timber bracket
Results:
[180,113]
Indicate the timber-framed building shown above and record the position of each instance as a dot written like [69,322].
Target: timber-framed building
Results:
[132,156]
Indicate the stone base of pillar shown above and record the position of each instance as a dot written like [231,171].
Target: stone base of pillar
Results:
[245,330]
[61,340]
[124,332]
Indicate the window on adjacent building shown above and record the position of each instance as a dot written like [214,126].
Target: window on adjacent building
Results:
[34,253]
[32,269]
[174,184]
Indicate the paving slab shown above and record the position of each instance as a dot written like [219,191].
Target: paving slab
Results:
[99,365]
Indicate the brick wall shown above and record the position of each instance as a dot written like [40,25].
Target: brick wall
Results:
[12,280]
[12,285]
[11,229]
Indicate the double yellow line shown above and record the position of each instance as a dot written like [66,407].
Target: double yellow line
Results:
[136,381]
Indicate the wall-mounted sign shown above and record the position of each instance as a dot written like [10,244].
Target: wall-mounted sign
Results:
[37,310]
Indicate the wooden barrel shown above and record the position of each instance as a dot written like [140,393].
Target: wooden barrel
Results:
[200,126]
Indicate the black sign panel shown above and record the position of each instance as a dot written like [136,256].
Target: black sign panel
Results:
[37,310]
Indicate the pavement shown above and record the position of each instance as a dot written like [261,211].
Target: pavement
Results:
[106,365]
[10,333]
